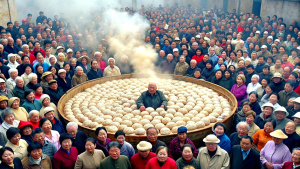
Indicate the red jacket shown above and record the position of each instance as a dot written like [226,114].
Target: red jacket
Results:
[61,160]
[288,165]
[31,58]
[138,163]
[198,59]
[42,51]
[239,28]
[169,164]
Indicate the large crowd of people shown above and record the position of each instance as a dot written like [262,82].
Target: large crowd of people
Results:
[256,59]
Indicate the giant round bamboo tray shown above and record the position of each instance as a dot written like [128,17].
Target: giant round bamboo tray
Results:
[196,136]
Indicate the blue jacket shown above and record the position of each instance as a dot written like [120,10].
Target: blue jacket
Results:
[36,105]
[58,126]
[225,142]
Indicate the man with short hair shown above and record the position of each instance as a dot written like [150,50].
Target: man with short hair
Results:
[37,47]
[54,91]
[261,63]
[140,159]
[38,135]
[264,51]
[94,73]
[4,91]
[78,137]
[19,90]
[242,129]
[191,70]
[293,139]
[152,134]
[168,66]
[41,60]
[11,47]
[243,156]
[287,93]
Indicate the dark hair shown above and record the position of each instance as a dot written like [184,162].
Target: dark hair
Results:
[120,132]
[188,145]
[64,136]
[100,128]
[11,132]
[91,139]
[254,92]
[220,124]
[23,57]
[38,65]
[274,93]
[36,86]
[266,78]
[290,82]
[261,56]
[36,131]
[114,144]
[3,149]
[231,66]
[27,92]
[247,103]
[250,66]
[271,121]
[49,69]
[247,137]
[42,121]
[160,148]
[34,146]
[27,65]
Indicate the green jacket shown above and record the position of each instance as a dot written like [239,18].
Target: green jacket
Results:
[20,93]
[35,105]
[121,163]
[154,101]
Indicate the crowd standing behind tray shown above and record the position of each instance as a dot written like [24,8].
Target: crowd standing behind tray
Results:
[256,59]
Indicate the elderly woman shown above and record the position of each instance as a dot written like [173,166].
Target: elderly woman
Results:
[12,63]
[219,130]
[213,156]
[250,117]
[295,160]
[254,85]
[20,112]
[181,67]
[101,64]
[161,160]
[46,78]
[31,103]
[36,157]
[111,69]
[46,102]
[175,147]
[26,130]
[239,89]
[240,115]
[126,148]
[28,71]
[34,118]
[253,101]
[267,113]
[60,61]
[242,129]
[57,125]
[50,135]
[11,82]
[85,63]
[66,156]
[91,158]
[18,145]
[262,136]
[32,78]
[9,121]
[79,77]
[140,159]
[38,91]
[102,140]
[187,158]
[115,160]
[275,153]
[63,80]
[52,60]
[8,159]
[281,118]
[270,88]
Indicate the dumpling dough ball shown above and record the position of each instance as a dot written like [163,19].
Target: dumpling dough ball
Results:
[93,125]
[170,125]
[140,131]
[171,111]
[183,110]
[136,112]
[122,127]
[155,121]
[134,120]
[200,124]
[153,114]
[196,119]
[150,109]
[175,119]
[145,121]
[188,107]
[107,122]
[128,130]
[193,112]
[189,115]
[165,131]
[137,125]
[214,115]
[205,120]
[171,116]
[175,129]
[224,115]
[86,123]
[163,113]
[180,123]
[178,114]
[166,120]
[146,126]
[159,126]
[186,119]
[127,123]
[160,109]
[191,126]
[148,117]
[158,118]
[143,113]
[205,113]
[200,116]
[112,129]
[212,119]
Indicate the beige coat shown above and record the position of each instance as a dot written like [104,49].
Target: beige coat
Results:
[76,80]
[219,161]
[253,129]
[55,110]
[181,68]
[87,161]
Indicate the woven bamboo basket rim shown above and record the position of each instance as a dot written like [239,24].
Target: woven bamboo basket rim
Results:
[81,87]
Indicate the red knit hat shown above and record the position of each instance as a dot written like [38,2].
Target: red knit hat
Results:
[24,124]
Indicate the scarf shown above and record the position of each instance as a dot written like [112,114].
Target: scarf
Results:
[61,64]
[33,161]
[6,126]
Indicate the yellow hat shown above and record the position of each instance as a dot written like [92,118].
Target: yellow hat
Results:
[278,134]
[3,98]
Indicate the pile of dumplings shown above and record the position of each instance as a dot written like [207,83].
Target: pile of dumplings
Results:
[113,104]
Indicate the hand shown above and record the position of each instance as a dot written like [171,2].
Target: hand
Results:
[269,165]
[4,60]
[162,106]
[142,108]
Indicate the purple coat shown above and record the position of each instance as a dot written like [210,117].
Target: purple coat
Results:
[104,147]
[239,92]
[175,150]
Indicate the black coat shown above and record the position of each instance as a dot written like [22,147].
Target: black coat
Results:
[259,67]
[92,74]
[4,71]
[208,73]
[190,71]
[292,141]
[10,49]
[65,86]
[278,86]
[17,164]
[201,65]
[79,141]
[55,95]
[234,138]
[292,112]
[216,81]
[252,161]
[248,78]
[226,83]
[255,106]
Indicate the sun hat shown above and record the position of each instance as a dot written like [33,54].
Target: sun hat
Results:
[211,138]
[278,134]
[144,146]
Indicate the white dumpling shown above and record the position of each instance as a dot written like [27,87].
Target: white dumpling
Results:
[165,131]
[140,131]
